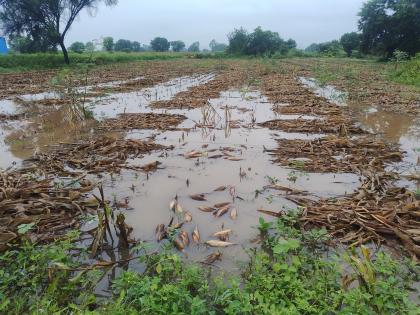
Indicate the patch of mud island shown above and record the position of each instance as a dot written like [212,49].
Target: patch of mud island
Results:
[378,211]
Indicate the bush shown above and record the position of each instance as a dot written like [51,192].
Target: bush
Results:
[77,47]
[13,62]
[407,72]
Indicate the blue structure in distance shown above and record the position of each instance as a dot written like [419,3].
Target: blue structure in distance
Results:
[3,46]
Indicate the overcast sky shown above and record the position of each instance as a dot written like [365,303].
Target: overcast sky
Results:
[306,21]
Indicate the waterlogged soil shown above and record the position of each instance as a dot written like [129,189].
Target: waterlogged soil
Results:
[208,151]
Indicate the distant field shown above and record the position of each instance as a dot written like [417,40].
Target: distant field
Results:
[22,62]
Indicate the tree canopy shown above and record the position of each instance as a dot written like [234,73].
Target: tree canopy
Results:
[350,42]
[77,47]
[45,22]
[194,47]
[259,42]
[238,40]
[108,44]
[160,44]
[177,45]
[217,47]
[387,25]
[123,45]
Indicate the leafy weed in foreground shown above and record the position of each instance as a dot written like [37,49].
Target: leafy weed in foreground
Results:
[292,273]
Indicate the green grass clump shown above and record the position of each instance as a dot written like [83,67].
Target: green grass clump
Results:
[291,273]
[407,72]
[22,62]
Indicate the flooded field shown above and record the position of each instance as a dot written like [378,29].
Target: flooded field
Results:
[188,156]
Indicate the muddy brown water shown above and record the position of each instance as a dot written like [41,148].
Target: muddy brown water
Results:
[226,124]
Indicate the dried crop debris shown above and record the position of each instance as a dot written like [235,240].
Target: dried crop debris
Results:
[102,154]
[129,121]
[334,125]
[39,207]
[378,210]
[198,96]
[334,153]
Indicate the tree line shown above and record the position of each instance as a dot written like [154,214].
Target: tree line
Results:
[159,44]
[385,26]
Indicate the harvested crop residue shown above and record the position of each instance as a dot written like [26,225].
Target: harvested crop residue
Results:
[334,153]
[332,125]
[102,154]
[39,208]
[379,209]
[376,212]
[367,83]
[142,121]
[198,96]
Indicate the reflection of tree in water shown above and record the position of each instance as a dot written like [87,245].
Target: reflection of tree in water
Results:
[393,126]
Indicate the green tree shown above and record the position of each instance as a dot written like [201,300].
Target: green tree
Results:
[312,48]
[160,44]
[123,45]
[135,46]
[45,20]
[217,47]
[387,25]
[263,42]
[350,42]
[194,47]
[332,48]
[238,40]
[177,45]
[291,44]
[26,44]
[77,47]
[108,44]
[90,46]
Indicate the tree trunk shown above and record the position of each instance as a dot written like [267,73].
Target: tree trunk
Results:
[65,53]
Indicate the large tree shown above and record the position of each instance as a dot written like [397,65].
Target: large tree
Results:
[160,44]
[108,44]
[177,45]
[388,25]
[43,20]
[194,47]
[123,45]
[263,42]
[238,40]
[217,47]
[350,42]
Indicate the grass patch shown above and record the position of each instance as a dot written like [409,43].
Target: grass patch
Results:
[292,273]
[407,72]
[25,62]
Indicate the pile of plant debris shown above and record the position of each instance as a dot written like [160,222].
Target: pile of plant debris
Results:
[378,210]
[198,96]
[333,124]
[334,153]
[40,208]
[129,121]
[102,154]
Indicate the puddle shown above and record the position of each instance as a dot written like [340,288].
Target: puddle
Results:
[396,128]
[137,102]
[226,124]
[22,143]
[328,91]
